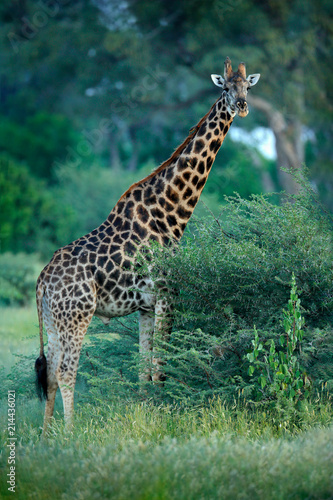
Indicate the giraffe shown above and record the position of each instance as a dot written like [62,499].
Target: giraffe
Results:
[96,274]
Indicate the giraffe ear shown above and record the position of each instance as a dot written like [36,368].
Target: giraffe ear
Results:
[253,79]
[218,80]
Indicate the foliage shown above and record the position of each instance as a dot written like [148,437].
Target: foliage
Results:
[36,218]
[41,218]
[60,105]
[38,141]
[193,367]
[228,275]
[90,191]
[17,279]
[31,218]
[231,173]
[122,427]
[235,271]
[280,374]
[20,203]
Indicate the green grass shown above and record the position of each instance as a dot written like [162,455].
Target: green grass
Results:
[138,451]
[18,333]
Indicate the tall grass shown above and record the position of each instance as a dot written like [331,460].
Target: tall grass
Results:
[206,468]
[140,451]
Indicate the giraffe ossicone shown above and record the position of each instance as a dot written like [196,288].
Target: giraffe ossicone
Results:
[95,275]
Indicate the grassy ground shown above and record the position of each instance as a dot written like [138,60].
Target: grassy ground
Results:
[140,451]
[18,333]
[143,452]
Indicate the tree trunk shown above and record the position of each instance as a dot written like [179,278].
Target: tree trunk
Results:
[289,148]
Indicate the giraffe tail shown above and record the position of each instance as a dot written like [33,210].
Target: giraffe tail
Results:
[41,364]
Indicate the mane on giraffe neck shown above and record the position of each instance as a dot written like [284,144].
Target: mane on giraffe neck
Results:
[175,154]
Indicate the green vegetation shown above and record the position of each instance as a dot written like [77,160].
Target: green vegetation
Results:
[214,428]
[92,99]
[142,451]
[280,374]
[233,275]
[18,274]
[18,329]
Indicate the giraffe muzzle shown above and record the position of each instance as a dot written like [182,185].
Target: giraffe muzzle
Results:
[242,109]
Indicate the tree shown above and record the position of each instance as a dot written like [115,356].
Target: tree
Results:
[289,42]
[20,204]
[135,76]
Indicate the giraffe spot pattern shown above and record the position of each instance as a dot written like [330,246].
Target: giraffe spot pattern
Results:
[187,193]
[198,146]
[172,195]
[143,213]
[178,182]
[201,167]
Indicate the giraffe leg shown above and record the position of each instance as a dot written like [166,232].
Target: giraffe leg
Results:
[52,363]
[49,406]
[68,365]
[146,343]
[65,336]
[163,325]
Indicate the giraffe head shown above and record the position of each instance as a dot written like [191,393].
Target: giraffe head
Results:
[235,85]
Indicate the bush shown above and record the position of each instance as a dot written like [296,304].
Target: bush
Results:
[20,202]
[227,276]
[17,278]
[236,271]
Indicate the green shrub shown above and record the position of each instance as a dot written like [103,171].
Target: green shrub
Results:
[236,271]
[20,202]
[17,278]
[227,276]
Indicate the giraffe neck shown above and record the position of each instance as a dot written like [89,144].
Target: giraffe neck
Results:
[159,207]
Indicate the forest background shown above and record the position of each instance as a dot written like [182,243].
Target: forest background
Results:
[95,94]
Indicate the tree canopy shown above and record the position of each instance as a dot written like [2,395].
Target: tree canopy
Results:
[120,84]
